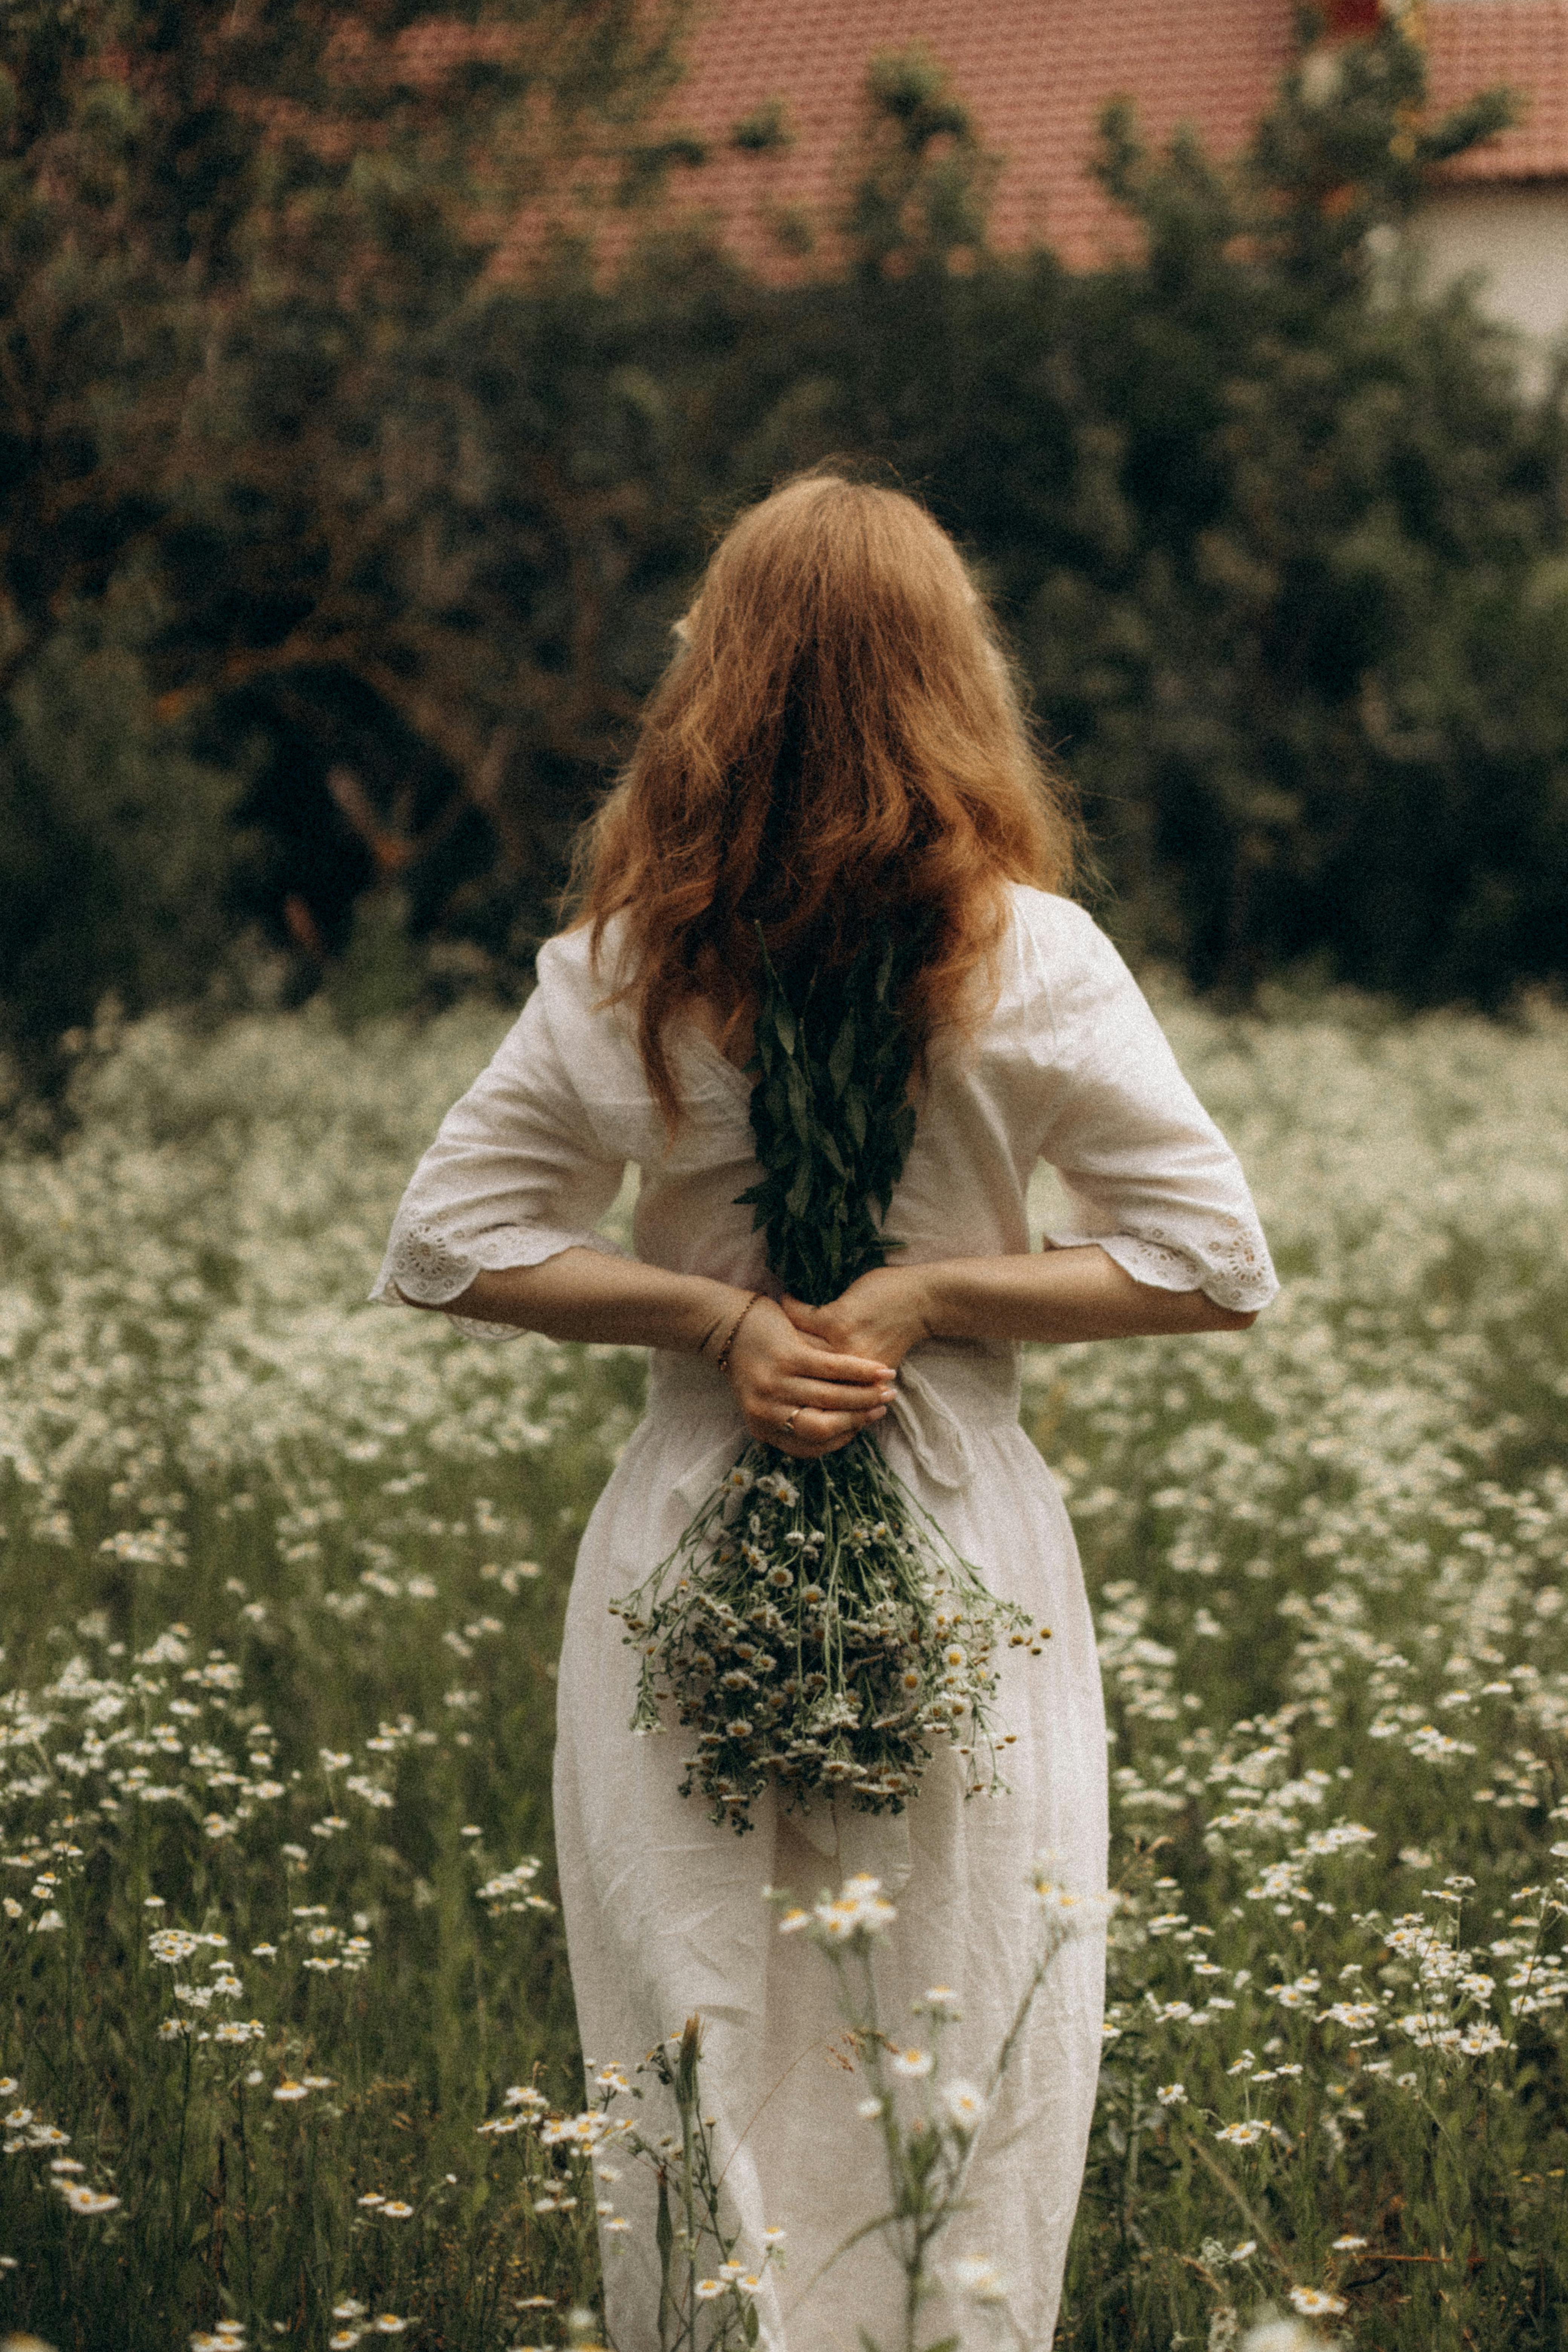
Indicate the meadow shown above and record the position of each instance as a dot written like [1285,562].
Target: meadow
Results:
[286,2045]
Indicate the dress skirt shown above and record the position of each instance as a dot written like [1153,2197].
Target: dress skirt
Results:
[666,1914]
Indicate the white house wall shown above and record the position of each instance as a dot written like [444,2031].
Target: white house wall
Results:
[1513,242]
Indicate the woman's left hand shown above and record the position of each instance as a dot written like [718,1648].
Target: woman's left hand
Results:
[882,1315]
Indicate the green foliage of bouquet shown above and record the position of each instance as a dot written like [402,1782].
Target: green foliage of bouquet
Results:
[832,1118]
[812,1624]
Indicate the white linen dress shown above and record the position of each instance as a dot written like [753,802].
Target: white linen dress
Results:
[665,1912]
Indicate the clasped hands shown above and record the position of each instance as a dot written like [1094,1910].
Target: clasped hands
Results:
[811,1378]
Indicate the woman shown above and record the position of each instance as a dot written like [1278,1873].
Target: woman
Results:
[837,742]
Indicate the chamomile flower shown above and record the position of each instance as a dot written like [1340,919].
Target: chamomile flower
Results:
[1316,2303]
[976,2276]
[83,2199]
[964,2103]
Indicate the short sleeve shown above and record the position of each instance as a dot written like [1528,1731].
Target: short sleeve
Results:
[516,1175]
[1147,1174]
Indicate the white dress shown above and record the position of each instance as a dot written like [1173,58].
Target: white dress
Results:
[665,1913]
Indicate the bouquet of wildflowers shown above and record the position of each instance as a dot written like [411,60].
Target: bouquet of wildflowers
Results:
[813,1625]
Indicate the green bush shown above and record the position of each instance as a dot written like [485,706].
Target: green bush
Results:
[117,851]
[1278,533]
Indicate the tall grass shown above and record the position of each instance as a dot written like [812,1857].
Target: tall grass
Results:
[281,1590]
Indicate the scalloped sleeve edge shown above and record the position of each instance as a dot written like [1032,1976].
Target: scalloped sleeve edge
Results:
[1244,1287]
[423,1268]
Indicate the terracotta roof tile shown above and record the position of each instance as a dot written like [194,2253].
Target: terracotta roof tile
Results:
[1037,73]
[1524,43]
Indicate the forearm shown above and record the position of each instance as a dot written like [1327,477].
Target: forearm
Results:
[1059,1294]
[800,1396]
[582,1294]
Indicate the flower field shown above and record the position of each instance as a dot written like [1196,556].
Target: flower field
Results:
[282,1583]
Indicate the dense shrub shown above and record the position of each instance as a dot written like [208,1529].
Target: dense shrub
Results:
[1279,532]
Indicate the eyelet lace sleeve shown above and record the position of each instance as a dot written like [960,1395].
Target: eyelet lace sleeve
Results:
[1236,1273]
[1148,1175]
[515,1175]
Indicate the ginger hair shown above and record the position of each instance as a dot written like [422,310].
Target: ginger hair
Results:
[838,740]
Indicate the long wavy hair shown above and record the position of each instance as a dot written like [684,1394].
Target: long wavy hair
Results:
[838,740]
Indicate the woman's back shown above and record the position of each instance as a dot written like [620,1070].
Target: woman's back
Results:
[1068,1064]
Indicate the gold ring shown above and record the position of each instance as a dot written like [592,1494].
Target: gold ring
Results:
[789,1423]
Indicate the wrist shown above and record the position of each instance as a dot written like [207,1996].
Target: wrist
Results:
[716,1307]
[924,1301]
[943,1298]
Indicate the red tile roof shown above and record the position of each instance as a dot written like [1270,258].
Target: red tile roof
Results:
[1472,44]
[1037,73]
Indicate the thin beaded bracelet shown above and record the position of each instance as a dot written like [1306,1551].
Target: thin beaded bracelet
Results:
[721,1360]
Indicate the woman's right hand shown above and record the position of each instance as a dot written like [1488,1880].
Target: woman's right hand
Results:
[783,1375]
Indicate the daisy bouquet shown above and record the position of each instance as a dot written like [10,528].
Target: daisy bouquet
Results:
[814,1626]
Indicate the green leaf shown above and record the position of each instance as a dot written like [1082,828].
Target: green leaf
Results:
[841,1061]
[799,1101]
[664,2231]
